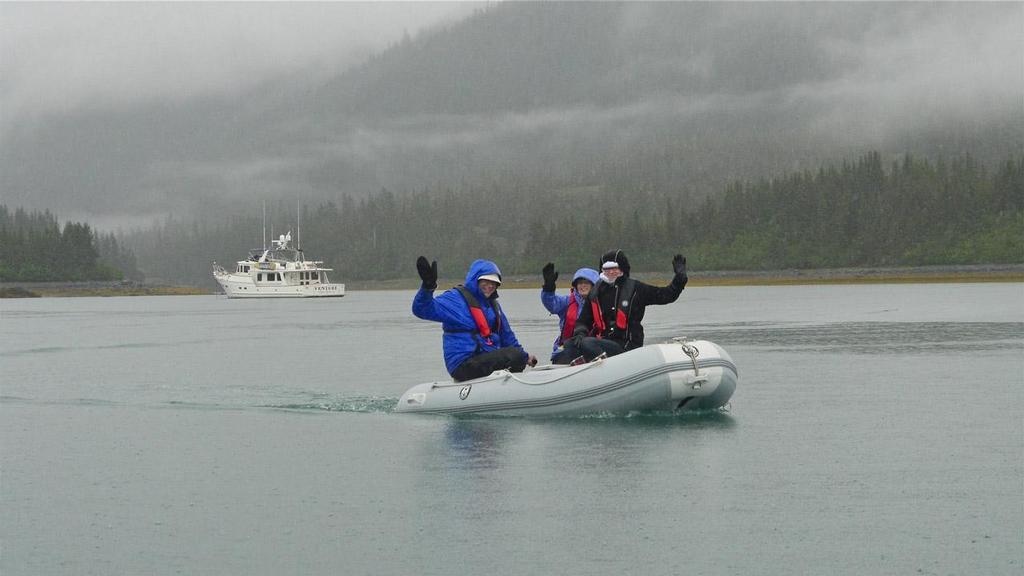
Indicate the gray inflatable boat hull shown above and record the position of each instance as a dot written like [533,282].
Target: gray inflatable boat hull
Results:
[678,376]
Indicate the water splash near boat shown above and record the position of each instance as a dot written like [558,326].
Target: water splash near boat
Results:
[360,404]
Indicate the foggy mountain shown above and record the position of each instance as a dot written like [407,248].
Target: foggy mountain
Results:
[681,96]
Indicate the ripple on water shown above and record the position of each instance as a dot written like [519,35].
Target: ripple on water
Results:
[875,337]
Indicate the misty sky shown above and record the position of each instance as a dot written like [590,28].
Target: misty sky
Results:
[61,57]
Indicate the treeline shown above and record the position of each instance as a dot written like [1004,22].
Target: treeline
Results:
[34,247]
[912,212]
[861,213]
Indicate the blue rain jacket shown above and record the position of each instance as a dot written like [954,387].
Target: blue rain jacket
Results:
[560,304]
[452,311]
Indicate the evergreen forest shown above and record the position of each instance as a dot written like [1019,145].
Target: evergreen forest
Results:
[34,247]
[862,212]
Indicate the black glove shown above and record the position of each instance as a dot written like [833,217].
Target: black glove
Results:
[550,275]
[428,272]
[679,266]
[577,341]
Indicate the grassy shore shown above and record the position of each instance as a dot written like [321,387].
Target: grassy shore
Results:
[133,291]
[918,275]
[58,291]
[873,279]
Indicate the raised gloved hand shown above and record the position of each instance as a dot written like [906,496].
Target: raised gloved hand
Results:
[550,275]
[428,272]
[679,267]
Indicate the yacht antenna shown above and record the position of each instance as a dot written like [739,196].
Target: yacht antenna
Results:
[298,225]
[264,225]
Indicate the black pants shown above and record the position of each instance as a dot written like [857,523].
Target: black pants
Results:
[590,348]
[510,358]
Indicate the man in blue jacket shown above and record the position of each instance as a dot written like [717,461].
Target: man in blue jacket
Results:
[568,307]
[477,337]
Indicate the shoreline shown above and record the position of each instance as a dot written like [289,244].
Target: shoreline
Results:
[82,289]
[902,275]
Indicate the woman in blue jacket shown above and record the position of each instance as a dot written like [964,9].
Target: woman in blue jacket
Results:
[477,338]
[568,307]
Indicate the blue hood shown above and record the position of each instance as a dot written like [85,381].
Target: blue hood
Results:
[587,274]
[477,269]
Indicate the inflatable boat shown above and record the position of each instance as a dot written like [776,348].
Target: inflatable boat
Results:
[678,376]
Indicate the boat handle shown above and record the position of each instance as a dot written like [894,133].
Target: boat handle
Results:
[691,351]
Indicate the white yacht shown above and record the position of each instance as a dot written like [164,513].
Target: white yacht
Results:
[277,272]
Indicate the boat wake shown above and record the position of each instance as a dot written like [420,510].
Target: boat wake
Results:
[361,404]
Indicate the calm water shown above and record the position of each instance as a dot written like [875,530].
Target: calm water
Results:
[875,430]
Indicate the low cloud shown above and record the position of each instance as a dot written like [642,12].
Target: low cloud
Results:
[61,57]
[879,72]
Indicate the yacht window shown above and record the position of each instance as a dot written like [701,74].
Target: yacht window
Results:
[259,277]
[315,275]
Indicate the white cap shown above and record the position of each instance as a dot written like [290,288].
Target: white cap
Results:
[491,277]
[609,265]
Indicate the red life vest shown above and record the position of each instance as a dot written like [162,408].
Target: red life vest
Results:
[595,310]
[483,328]
[571,316]
[621,318]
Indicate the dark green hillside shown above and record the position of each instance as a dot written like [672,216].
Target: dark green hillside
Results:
[667,98]
[555,130]
[664,95]
[519,56]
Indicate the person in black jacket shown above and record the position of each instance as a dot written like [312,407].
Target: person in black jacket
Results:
[611,321]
